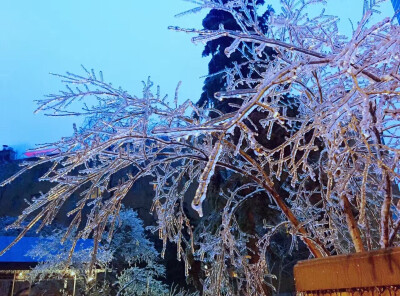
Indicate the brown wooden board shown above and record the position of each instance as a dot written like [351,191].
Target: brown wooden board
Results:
[369,269]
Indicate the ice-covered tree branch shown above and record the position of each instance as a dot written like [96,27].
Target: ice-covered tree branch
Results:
[331,104]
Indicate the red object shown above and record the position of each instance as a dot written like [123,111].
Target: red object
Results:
[37,153]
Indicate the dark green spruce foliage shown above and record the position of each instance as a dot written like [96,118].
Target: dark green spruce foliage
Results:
[216,82]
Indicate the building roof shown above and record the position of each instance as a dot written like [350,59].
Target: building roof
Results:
[18,252]
[42,152]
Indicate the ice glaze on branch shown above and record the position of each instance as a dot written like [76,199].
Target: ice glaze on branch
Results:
[320,117]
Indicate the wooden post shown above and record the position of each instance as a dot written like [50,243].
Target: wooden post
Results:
[13,283]
[74,288]
[105,275]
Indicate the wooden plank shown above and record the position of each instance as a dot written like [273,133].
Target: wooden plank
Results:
[368,269]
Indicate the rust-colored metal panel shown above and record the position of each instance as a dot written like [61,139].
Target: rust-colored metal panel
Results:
[370,269]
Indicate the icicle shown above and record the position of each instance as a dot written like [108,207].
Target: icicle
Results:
[205,177]
[269,133]
[229,50]
[260,49]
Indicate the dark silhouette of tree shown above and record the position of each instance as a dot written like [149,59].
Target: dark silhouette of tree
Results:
[216,80]
[251,218]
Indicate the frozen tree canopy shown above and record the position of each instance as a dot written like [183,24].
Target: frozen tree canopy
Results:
[337,101]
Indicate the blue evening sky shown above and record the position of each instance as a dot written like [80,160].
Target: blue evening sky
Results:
[127,39]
